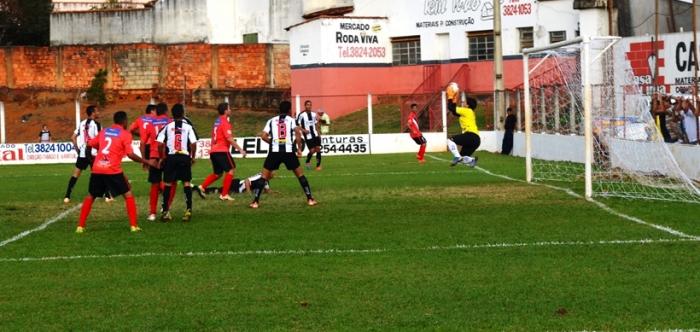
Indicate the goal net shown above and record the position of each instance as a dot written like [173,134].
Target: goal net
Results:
[588,121]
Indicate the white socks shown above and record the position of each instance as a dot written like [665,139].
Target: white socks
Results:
[455,152]
[453,148]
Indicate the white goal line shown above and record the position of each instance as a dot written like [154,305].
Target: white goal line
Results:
[306,252]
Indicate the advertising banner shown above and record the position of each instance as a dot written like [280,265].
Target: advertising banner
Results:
[63,152]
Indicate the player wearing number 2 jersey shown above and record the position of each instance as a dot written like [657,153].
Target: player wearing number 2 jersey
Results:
[284,138]
[112,144]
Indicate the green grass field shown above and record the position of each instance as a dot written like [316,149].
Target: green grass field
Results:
[393,245]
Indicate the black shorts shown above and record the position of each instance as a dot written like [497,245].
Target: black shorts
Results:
[221,162]
[419,140]
[155,175]
[178,167]
[113,184]
[469,142]
[314,142]
[83,163]
[274,159]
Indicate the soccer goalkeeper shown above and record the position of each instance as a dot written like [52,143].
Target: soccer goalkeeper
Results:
[469,139]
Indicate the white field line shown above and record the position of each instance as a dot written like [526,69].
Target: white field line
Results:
[601,205]
[303,252]
[42,226]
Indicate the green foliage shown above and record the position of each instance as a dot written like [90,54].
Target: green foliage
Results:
[96,91]
[25,22]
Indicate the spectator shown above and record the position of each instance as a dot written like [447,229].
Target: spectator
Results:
[45,134]
[509,125]
[325,123]
[673,123]
[660,106]
[690,121]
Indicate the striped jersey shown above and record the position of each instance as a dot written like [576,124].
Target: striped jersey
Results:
[308,121]
[177,137]
[87,130]
[281,131]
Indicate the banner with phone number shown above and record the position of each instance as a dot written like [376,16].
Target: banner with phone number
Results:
[63,152]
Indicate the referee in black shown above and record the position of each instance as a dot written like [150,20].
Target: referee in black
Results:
[284,138]
[178,141]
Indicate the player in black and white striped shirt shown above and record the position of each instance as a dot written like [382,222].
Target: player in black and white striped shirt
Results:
[284,138]
[179,141]
[308,121]
[87,130]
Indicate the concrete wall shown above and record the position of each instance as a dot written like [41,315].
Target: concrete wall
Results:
[179,21]
[170,21]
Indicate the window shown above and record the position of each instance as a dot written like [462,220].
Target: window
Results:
[250,38]
[406,50]
[526,38]
[480,45]
[557,36]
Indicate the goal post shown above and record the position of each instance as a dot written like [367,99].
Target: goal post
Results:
[592,123]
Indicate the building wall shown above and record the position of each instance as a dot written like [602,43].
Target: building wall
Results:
[179,21]
[147,66]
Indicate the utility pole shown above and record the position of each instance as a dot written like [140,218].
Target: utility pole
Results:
[695,69]
[499,100]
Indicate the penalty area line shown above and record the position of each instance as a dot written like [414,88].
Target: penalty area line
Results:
[599,204]
[304,252]
[42,226]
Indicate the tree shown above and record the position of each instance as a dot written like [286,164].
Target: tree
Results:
[25,22]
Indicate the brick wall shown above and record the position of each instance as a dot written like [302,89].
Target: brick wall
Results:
[34,67]
[135,66]
[79,65]
[3,72]
[243,66]
[280,55]
[145,66]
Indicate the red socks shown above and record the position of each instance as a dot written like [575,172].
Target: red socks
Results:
[209,180]
[421,152]
[85,210]
[131,210]
[227,184]
[153,200]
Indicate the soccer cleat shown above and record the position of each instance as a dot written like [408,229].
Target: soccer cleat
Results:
[108,199]
[253,205]
[311,202]
[66,200]
[201,191]
[472,164]
[187,216]
[456,160]
[421,161]
[151,217]
[135,229]
[165,216]
[225,198]
[318,168]
[80,230]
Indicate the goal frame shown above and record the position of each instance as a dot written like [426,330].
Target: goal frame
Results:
[586,62]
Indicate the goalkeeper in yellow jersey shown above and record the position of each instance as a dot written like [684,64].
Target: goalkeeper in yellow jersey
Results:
[469,139]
